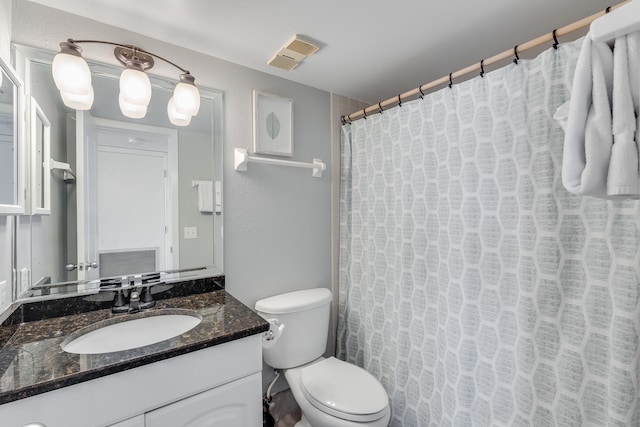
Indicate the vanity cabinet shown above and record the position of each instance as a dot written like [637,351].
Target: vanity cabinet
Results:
[223,406]
[215,386]
[131,422]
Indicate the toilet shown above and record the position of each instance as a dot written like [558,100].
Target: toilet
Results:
[330,392]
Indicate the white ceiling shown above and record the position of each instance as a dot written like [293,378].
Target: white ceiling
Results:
[371,49]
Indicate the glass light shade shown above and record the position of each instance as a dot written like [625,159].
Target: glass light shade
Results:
[130,110]
[187,99]
[175,117]
[78,102]
[71,74]
[135,87]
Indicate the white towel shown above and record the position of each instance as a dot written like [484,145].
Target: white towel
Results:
[205,196]
[623,180]
[588,138]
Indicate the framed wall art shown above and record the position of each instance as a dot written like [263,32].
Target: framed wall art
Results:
[272,124]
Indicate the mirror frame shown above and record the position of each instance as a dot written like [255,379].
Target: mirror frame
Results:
[18,207]
[38,116]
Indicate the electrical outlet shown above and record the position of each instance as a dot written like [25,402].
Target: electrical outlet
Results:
[191,232]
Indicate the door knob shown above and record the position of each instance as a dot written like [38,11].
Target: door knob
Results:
[70,267]
[94,264]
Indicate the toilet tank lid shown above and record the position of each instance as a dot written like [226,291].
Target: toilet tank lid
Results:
[292,302]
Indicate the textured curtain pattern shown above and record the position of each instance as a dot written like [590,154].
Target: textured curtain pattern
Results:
[472,285]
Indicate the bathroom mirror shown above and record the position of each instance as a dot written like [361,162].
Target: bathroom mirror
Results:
[11,149]
[124,194]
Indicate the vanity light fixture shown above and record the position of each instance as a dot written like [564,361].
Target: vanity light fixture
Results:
[73,79]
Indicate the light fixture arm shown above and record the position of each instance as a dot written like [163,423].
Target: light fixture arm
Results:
[130,48]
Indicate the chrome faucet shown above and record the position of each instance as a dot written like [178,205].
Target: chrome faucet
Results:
[138,299]
[134,301]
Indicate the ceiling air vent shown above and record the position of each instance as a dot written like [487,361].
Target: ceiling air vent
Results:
[292,53]
[283,62]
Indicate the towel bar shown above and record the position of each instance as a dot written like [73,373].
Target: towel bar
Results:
[242,158]
[68,173]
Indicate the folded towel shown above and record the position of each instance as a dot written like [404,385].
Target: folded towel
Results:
[623,180]
[588,138]
[205,196]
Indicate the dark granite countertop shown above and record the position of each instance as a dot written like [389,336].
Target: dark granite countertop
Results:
[32,360]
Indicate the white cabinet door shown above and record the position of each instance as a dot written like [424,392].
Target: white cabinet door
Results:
[131,422]
[236,404]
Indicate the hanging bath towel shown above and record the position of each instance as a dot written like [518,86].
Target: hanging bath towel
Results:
[588,135]
[623,180]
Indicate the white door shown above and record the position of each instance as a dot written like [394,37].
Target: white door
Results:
[132,202]
[86,193]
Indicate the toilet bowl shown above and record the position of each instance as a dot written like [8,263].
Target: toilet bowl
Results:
[330,392]
[333,393]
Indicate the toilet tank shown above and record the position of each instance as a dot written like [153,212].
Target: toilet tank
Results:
[299,325]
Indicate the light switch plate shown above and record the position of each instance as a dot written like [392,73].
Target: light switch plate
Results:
[191,232]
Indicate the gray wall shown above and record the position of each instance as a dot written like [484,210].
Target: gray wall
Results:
[194,163]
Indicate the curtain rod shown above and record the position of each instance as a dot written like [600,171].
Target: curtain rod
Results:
[420,90]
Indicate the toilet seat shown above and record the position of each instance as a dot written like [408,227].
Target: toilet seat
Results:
[343,390]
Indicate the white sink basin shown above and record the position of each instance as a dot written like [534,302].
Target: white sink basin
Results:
[124,333]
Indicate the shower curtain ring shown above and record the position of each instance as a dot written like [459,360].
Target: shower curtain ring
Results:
[399,101]
[450,80]
[364,113]
[343,120]
[607,10]
[515,53]
[482,68]
[555,40]
[421,92]
[380,107]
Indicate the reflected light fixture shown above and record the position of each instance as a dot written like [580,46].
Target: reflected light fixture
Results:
[73,79]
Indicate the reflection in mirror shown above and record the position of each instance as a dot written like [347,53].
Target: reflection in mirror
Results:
[122,193]
[40,156]
[11,180]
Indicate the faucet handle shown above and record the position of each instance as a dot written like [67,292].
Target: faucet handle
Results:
[146,299]
[119,303]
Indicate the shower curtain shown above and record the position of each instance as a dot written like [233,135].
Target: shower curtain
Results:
[472,284]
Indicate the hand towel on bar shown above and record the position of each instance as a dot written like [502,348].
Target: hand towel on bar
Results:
[623,180]
[205,196]
[588,139]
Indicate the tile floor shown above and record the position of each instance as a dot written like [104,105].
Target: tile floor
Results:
[285,410]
